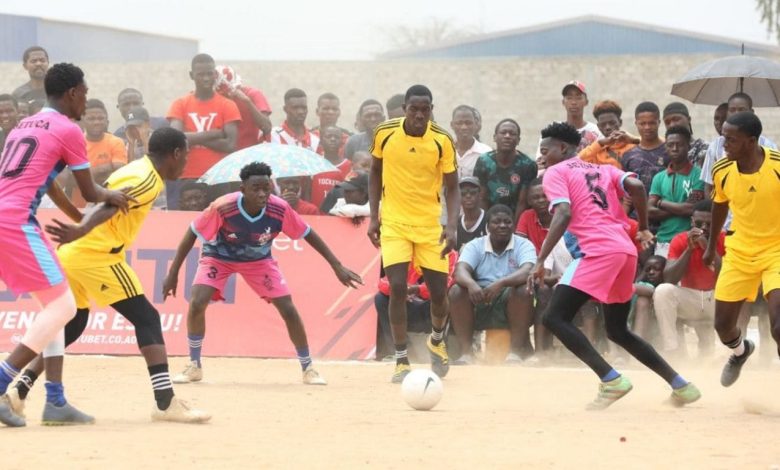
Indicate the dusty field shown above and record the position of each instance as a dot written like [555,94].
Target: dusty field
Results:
[490,417]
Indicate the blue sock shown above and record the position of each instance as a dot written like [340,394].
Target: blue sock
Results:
[196,343]
[303,357]
[678,382]
[611,375]
[55,393]
[7,375]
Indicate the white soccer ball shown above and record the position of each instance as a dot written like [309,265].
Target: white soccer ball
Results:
[422,389]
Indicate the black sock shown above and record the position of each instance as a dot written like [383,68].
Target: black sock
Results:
[162,386]
[26,381]
[401,355]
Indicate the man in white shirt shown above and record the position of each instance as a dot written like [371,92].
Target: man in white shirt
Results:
[465,125]
[575,99]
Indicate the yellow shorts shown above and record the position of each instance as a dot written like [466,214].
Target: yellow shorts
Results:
[404,243]
[740,278]
[105,285]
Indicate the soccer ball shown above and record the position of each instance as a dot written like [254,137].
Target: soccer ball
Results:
[422,389]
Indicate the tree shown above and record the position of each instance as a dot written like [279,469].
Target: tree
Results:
[770,15]
[432,31]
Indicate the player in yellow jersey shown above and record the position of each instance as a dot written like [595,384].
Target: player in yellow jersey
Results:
[748,183]
[93,257]
[412,157]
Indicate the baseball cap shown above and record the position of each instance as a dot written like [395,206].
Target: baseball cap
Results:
[137,115]
[469,180]
[356,182]
[576,84]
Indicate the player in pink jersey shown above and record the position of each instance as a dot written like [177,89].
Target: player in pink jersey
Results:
[584,199]
[36,151]
[237,232]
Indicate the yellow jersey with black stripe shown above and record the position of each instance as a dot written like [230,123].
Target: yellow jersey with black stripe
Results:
[412,172]
[106,243]
[754,201]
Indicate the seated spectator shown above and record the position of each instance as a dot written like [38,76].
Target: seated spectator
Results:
[293,130]
[504,173]
[418,307]
[489,290]
[290,191]
[472,218]
[355,201]
[328,111]
[251,103]
[465,125]
[651,276]
[370,115]
[692,300]
[676,115]
[609,149]
[322,183]
[361,162]
[194,197]
[9,117]
[128,99]
[395,106]
[674,191]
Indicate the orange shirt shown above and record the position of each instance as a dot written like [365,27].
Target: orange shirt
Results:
[609,155]
[200,116]
[109,149]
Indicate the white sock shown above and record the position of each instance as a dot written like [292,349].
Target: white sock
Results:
[739,350]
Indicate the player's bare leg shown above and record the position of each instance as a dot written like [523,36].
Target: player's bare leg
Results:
[297,333]
[200,297]
[437,286]
[726,324]
[396,276]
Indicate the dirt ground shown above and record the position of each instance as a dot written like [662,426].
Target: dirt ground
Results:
[490,417]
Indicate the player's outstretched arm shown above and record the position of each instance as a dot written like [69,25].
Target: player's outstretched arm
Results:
[94,193]
[172,279]
[345,275]
[60,199]
[558,225]
[65,233]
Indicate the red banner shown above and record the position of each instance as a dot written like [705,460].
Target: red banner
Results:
[340,322]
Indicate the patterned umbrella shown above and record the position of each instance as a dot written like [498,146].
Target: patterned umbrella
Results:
[284,160]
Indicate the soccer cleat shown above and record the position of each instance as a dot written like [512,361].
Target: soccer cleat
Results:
[312,377]
[191,373]
[400,373]
[16,402]
[7,415]
[65,415]
[610,392]
[684,395]
[734,365]
[180,412]
[440,362]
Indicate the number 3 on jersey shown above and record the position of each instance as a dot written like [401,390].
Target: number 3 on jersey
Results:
[17,156]
[597,195]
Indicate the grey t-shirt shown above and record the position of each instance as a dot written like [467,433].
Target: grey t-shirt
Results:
[357,143]
[25,94]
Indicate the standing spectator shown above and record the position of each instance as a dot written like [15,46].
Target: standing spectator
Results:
[322,183]
[472,217]
[194,197]
[465,124]
[674,191]
[575,99]
[649,157]
[35,61]
[105,151]
[737,103]
[138,130]
[719,117]
[328,111]
[251,103]
[290,190]
[370,114]
[128,99]
[489,290]
[9,117]
[505,172]
[691,300]
[609,149]
[395,106]
[676,114]
[210,122]
[293,130]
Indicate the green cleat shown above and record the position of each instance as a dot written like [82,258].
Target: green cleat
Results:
[401,371]
[440,361]
[684,395]
[610,392]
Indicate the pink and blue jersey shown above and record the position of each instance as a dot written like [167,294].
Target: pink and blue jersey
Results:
[594,192]
[230,234]
[35,152]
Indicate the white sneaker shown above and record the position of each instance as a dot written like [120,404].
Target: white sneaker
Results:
[191,373]
[513,358]
[16,402]
[180,412]
[312,377]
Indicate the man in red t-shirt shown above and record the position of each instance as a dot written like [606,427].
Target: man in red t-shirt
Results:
[692,300]
[534,223]
[210,122]
[322,183]
[252,104]
[328,111]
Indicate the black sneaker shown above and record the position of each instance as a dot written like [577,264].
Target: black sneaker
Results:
[733,367]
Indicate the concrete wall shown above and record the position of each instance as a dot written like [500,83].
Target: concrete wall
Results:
[525,89]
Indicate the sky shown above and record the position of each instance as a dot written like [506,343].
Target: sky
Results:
[358,30]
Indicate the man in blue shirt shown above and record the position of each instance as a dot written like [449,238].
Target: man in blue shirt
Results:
[489,290]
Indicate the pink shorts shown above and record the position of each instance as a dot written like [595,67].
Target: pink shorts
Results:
[27,260]
[264,276]
[609,279]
